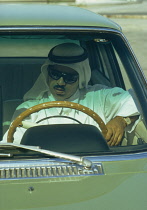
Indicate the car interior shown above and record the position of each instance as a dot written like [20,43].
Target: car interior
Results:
[21,59]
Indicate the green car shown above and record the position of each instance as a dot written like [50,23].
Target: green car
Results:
[68,166]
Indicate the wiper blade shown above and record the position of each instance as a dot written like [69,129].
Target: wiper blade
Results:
[76,159]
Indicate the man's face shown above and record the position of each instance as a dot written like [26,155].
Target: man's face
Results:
[59,88]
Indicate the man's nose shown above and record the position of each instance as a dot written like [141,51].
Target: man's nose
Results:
[61,81]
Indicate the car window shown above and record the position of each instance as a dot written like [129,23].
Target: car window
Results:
[21,58]
[104,63]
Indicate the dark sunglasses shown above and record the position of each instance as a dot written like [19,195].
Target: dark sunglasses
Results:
[68,78]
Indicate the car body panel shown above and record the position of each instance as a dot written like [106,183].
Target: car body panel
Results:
[44,15]
[82,192]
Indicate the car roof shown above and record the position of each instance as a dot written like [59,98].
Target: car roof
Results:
[27,14]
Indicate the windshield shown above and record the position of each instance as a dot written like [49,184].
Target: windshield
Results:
[90,71]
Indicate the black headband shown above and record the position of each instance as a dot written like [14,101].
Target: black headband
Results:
[67,59]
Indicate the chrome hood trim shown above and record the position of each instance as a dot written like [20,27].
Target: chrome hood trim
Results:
[43,168]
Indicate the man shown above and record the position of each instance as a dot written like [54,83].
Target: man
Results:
[65,77]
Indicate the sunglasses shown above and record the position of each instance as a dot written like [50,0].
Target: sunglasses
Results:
[68,78]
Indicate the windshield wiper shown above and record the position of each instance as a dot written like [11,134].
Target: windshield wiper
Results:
[76,159]
[5,155]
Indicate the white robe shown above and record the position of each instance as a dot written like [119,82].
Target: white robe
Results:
[106,102]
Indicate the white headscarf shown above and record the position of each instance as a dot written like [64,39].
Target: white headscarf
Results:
[66,54]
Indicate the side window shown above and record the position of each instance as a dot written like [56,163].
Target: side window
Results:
[104,64]
[123,72]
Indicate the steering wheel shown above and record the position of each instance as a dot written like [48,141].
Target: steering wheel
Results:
[18,121]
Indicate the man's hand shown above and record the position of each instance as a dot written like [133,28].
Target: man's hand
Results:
[116,128]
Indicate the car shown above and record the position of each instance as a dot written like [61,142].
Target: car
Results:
[71,166]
